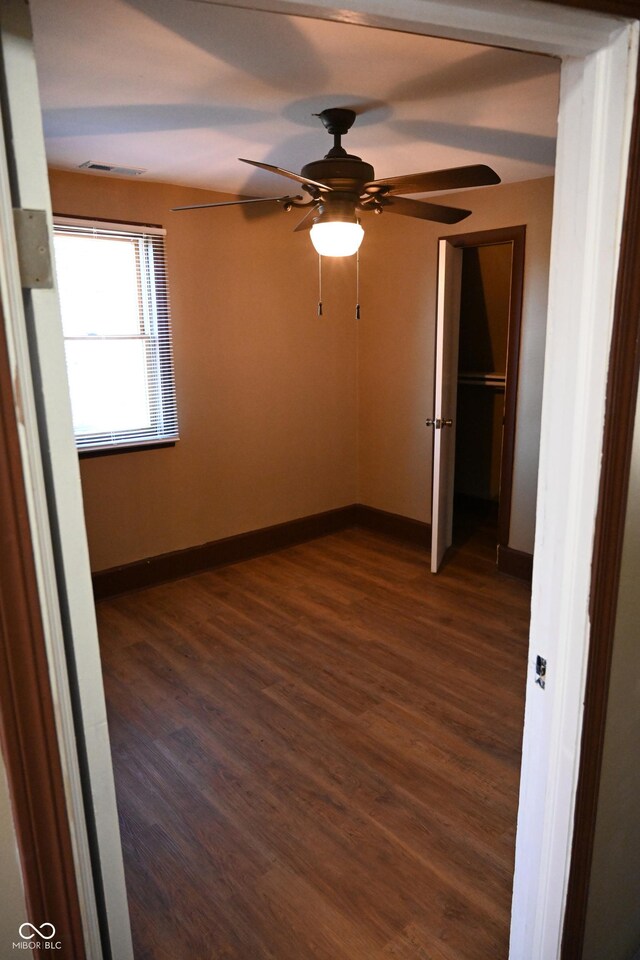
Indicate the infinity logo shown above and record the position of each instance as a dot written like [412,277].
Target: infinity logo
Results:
[40,932]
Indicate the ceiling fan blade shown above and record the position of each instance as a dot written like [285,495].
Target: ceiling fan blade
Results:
[424,210]
[287,173]
[454,178]
[234,203]
[307,221]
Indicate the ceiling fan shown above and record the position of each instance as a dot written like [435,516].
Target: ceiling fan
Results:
[341,188]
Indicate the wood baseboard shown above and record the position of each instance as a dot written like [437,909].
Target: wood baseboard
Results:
[515,563]
[402,528]
[242,546]
[255,543]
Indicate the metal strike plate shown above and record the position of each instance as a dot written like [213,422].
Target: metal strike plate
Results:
[34,255]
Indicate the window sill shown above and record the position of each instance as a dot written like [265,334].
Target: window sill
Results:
[134,448]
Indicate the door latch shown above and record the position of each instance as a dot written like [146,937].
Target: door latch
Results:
[541,671]
[438,423]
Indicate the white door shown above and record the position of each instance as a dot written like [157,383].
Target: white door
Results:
[443,423]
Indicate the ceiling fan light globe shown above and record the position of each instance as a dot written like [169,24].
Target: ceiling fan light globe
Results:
[336,238]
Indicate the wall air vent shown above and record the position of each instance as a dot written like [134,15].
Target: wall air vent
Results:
[101,167]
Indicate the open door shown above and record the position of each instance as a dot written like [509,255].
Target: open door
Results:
[445,398]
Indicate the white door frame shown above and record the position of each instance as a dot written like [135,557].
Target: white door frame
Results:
[52,481]
[599,56]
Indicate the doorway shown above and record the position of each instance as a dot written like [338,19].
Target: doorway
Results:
[477,358]
[589,187]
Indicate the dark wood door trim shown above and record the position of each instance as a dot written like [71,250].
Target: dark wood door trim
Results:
[622,390]
[27,722]
[515,236]
[616,8]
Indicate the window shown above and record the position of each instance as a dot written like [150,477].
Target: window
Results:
[117,333]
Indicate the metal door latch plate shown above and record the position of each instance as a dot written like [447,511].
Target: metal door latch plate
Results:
[34,255]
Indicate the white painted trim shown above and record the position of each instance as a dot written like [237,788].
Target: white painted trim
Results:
[520,24]
[593,145]
[18,350]
[55,503]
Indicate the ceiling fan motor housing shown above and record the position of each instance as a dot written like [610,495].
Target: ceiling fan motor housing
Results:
[343,174]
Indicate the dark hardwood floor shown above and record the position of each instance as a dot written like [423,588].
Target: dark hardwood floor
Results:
[317,754]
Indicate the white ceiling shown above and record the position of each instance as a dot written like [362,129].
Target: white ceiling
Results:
[184,88]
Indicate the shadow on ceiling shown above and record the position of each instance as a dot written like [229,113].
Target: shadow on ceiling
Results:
[215,30]
[529,147]
[482,71]
[143,118]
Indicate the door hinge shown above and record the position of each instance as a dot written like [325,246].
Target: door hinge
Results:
[34,254]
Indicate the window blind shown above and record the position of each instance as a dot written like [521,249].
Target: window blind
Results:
[116,320]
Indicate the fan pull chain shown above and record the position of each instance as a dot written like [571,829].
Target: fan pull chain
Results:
[319,285]
[357,284]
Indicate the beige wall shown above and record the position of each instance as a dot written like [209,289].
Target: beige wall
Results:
[266,392]
[613,914]
[396,349]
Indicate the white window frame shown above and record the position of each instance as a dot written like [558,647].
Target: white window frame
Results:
[155,331]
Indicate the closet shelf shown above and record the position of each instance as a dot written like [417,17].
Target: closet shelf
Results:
[482,379]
